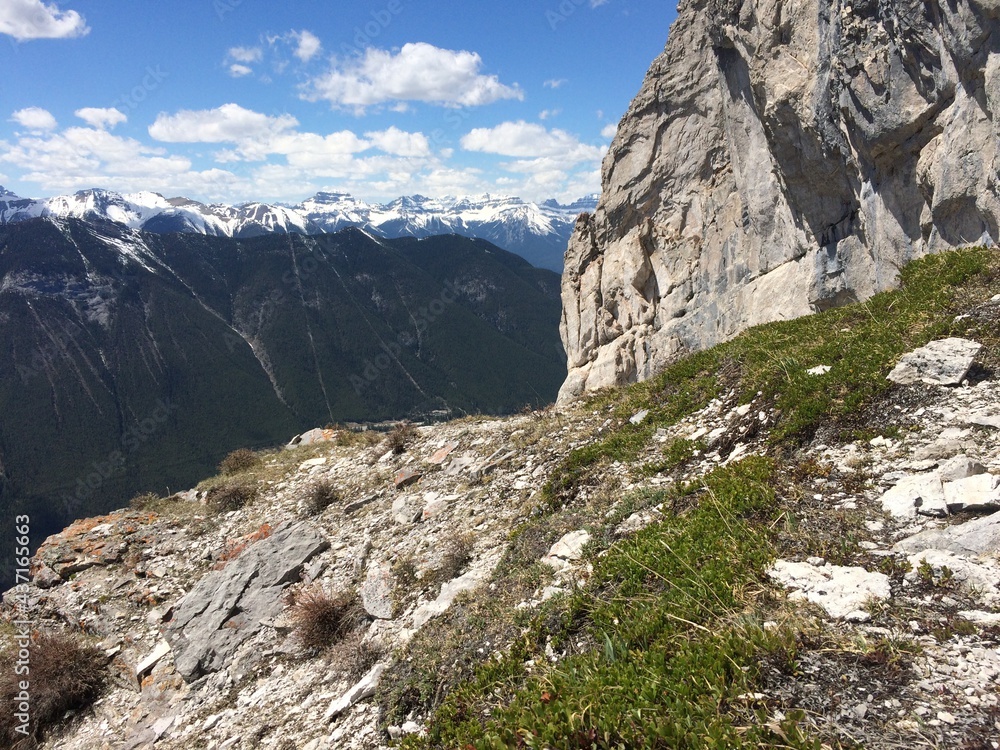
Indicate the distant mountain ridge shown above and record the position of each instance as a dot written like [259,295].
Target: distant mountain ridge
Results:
[537,232]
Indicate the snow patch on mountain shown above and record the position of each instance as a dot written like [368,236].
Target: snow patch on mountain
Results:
[537,231]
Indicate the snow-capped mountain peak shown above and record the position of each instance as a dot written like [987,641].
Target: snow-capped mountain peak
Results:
[537,231]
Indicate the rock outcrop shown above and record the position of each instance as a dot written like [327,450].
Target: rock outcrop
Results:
[781,158]
[227,606]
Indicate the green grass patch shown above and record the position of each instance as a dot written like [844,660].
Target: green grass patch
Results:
[677,453]
[860,343]
[667,634]
[667,610]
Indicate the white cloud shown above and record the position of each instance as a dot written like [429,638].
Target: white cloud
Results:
[554,83]
[101,117]
[548,163]
[609,131]
[229,123]
[308,45]
[400,143]
[86,157]
[33,19]
[34,118]
[305,150]
[238,70]
[417,72]
[245,54]
[546,114]
[523,139]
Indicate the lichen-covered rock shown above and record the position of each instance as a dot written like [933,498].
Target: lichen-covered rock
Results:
[782,157]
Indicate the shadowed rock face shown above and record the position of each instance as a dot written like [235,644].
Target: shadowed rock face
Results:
[781,158]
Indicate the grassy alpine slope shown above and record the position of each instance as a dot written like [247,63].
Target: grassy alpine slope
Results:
[664,641]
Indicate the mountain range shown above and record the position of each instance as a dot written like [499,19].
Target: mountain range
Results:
[135,361]
[537,232]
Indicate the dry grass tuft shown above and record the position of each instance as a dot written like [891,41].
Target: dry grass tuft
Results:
[231,495]
[65,674]
[320,495]
[322,620]
[239,461]
[455,555]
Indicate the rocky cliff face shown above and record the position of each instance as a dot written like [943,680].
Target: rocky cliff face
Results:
[782,157]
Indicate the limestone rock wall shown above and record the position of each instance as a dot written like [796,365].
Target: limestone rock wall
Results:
[781,158]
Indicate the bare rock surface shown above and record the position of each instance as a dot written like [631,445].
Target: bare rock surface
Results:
[227,606]
[842,591]
[781,159]
[942,362]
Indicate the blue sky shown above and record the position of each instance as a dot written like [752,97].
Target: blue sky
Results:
[235,100]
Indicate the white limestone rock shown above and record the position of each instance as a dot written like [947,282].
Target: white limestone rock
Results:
[843,592]
[942,362]
[775,164]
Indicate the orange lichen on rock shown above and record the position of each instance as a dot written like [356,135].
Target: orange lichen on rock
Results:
[236,547]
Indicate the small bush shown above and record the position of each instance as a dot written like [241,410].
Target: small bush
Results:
[144,501]
[405,572]
[320,495]
[321,620]
[239,461]
[401,436]
[231,495]
[354,656]
[455,554]
[65,675]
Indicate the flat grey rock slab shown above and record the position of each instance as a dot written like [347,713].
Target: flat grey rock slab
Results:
[959,467]
[977,493]
[226,607]
[364,688]
[566,551]
[976,537]
[378,591]
[941,362]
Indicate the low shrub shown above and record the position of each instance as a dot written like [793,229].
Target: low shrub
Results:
[401,436]
[320,495]
[353,655]
[65,675]
[322,620]
[239,461]
[455,554]
[231,495]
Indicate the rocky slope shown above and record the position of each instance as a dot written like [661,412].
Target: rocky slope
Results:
[131,358]
[782,157]
[465,542]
